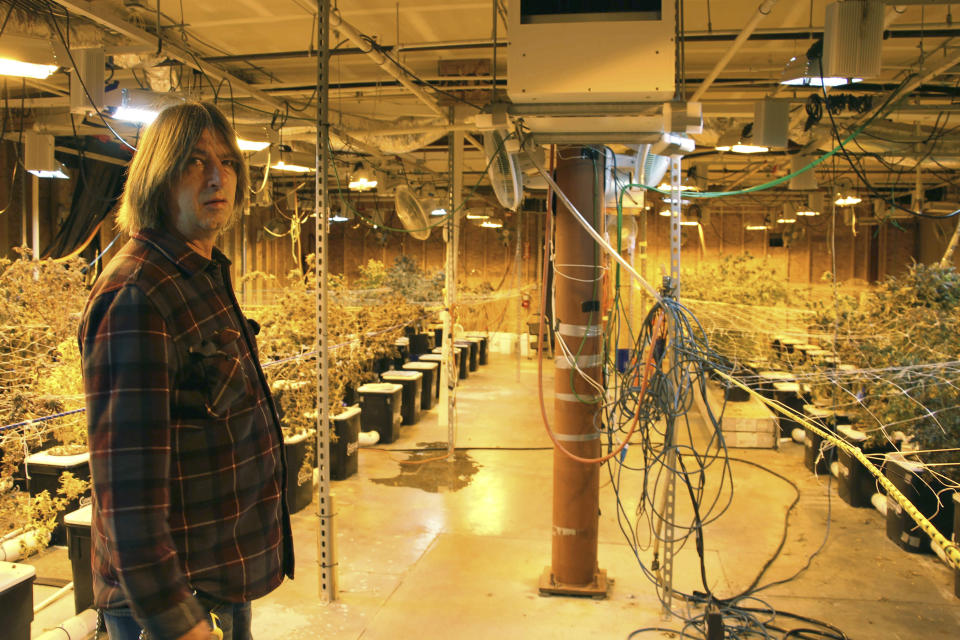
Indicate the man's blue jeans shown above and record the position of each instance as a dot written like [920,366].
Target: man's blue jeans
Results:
[234,620]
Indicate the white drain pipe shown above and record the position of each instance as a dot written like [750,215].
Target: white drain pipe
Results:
[80,627]
[21,545]
[67,588]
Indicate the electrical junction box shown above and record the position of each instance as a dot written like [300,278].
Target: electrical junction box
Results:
[591,51]
[38,151]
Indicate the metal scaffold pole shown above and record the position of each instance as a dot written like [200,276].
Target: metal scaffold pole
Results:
[669,444]
[448,372]
[326,558]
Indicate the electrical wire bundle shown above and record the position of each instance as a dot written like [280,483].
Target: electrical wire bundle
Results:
[670,452]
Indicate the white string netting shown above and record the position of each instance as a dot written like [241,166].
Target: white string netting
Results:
[920,395]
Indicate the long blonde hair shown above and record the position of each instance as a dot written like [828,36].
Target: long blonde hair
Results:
[162,156]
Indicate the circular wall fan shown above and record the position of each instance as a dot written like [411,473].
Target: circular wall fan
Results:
[503,170]
[412,215]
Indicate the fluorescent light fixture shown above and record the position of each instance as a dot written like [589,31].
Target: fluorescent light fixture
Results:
[749,148]
[808,213]
[134,114]
[338,217]
[756,227]
[666,213]
[670,201]
[491,224]
[439,211]
[802,72]
[847,200]
[477,216]
[786,220]
[292,168]
[56,173]
[251,145]
[689,223]
[21,69]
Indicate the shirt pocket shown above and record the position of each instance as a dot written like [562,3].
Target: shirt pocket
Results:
[215,378]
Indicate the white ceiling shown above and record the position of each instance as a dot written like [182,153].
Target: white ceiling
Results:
[265,48]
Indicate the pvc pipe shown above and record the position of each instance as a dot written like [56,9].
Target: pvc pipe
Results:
[13,549]
[368,438]
[799,435]
[64,590]
[879,502]
[742,37]
[347,30]
[79,627]
[11,534]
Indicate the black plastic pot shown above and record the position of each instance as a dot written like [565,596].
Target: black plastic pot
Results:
[472,351]
[412,382]
[78,549]
[380,409]
[299,477]
[421,343]
[922,489]
[792,396]
[44,471]
[855,484]
[817,456]
[344,455]
[16,599]
[430,387]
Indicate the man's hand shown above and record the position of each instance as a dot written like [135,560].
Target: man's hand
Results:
[200,632]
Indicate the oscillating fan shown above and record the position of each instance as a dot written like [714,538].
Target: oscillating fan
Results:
[503,170]
[411,213]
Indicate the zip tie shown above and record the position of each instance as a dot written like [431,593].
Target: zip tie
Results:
[576,362]
[580,330]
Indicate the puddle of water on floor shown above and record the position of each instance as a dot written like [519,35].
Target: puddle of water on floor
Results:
[431,471]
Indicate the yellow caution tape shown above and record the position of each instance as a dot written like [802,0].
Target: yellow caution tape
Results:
[950,549]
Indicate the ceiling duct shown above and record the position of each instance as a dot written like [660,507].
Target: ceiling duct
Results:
[852,37]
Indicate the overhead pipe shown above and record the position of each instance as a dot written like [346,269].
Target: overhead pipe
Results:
[385,63]
[762,11]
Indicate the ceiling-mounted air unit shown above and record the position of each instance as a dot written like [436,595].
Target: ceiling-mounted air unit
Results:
[852,37]
[87,79]
[596,51]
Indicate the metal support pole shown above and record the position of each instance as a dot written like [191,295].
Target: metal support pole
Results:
[326,556]
[518,279]
[35,218]
[576,485]
[449,373]
[669,444]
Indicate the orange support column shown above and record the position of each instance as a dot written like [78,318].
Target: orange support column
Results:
[576,500]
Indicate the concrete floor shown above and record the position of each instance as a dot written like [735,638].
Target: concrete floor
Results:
[441,550]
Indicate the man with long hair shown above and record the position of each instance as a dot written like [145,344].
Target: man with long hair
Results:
[186,451]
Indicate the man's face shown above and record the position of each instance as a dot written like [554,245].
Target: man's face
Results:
[200,202]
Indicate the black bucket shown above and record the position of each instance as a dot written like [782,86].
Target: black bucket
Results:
[855,484]
[919,486]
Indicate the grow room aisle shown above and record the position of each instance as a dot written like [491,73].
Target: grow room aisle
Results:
[455,550]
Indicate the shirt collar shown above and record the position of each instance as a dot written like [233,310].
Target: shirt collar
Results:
[179,253]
